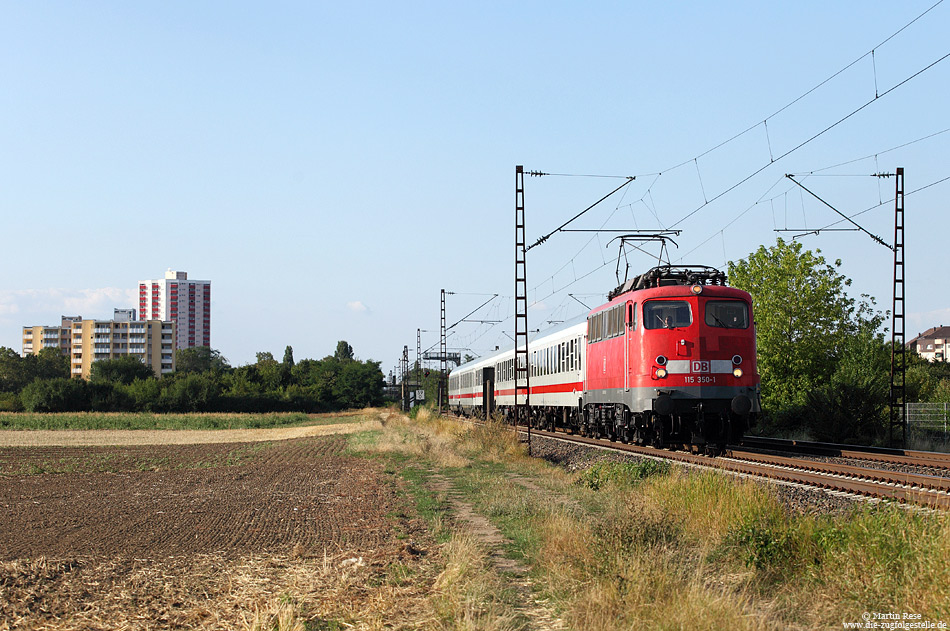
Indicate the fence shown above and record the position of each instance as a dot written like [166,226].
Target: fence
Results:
[929,419]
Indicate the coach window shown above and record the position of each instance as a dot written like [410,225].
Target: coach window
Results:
[666,314]
[727,314]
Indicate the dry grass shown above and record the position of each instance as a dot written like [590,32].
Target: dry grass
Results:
[707,505]
[625,569]
[209,592]
[468,594]
[427,436]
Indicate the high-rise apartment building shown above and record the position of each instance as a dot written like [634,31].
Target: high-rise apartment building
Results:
[185,302]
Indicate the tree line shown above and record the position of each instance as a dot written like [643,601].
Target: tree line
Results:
[203,381]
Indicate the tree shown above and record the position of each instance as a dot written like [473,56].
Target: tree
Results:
[343,350]
[200,359]
[810,333]
[50,363]
[14,371]
[56,395]
[268,371]
[286,367]
[360,384]
[122,370]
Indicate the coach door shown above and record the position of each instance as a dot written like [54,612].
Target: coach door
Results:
[488,391]
[629,329]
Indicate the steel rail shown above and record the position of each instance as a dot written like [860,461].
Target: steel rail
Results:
[908,457]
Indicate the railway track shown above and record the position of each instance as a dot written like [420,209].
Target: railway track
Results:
[874,454]
[906,488]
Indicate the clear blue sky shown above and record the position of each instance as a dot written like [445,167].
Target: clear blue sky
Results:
[331,166]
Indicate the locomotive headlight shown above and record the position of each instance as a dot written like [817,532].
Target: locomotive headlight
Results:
[737,359]
[696,289]
[661,360]
[737,372]
[661,373]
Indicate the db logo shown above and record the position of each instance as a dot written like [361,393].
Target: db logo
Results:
[700,366]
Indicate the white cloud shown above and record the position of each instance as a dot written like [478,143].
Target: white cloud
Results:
[7,307]
[52,303]
[357,307]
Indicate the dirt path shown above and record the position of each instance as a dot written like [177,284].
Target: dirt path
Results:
[537,612]
[120,437]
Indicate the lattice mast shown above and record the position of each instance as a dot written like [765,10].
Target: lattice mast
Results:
[898,425]
[442,356]
[404,369]
[522,374]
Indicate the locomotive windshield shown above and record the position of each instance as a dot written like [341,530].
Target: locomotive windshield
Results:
[727,314]
[666,314]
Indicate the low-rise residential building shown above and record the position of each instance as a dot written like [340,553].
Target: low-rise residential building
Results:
[86,341]
[151,341]
[933,344]
[36,338]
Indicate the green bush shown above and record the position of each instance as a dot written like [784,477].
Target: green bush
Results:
[602,473]
[10,402]
[56,395]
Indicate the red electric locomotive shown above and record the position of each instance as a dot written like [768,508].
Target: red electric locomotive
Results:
[671,361]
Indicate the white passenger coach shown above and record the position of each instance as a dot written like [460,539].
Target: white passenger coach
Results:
[555,361]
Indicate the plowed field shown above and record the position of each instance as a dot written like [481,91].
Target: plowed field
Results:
[155,514]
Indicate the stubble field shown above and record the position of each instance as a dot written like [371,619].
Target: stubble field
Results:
[198,536]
